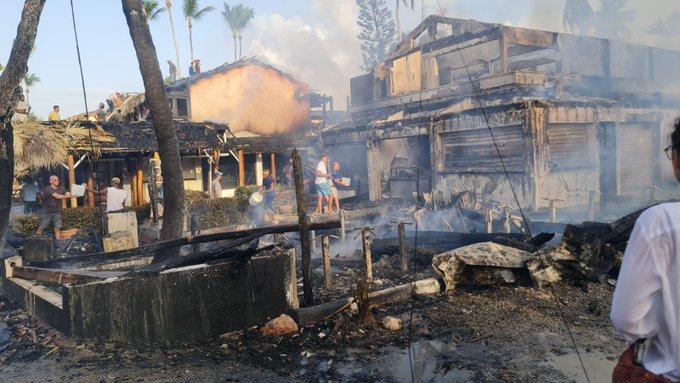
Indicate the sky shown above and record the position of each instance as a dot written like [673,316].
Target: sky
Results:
[313,40]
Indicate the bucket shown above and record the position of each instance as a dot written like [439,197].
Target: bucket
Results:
[255,198]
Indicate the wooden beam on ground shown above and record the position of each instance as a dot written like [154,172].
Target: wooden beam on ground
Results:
[60,277]
[161,246]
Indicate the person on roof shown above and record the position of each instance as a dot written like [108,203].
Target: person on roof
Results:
[100,114]
[172,71]
[54,114]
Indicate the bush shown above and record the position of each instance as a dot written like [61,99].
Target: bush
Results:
[246,191]
[219,211]
[79,218]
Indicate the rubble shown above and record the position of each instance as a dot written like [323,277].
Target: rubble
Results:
[450,265]
[392,323]
[280,326]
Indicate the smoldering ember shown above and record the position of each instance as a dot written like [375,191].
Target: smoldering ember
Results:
[484,180]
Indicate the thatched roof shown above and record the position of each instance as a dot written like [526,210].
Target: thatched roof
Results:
[128,103]
[38,145]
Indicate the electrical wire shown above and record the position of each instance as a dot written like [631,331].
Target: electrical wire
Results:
[477,95]
[94,166]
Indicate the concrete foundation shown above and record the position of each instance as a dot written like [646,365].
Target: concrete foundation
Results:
[183,304]
[122,222]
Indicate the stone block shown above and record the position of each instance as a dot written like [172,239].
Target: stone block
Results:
[121,240]
[38,249]
[123,221]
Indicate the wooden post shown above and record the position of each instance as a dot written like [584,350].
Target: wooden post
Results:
[293,301]
[135,195]
[325,250]
[342,226]
[241,169]
[216,160]
[273,169]
[506,224]
[308,294]
[591,205]
[313,241]
[72,178]
[401,228]
[367,253]
[553,211]
[90,196]
[140,180]
[504,54]
[489,221]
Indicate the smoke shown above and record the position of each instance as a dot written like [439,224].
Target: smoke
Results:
[325,53]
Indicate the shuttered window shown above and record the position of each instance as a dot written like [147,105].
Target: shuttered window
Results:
[571,146]
[473,150]
[636,158]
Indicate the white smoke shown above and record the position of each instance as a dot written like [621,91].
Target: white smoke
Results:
[324,54]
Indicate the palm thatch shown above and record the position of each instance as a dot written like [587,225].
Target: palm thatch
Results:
[38,146]
[130,104]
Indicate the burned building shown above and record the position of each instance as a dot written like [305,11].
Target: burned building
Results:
[464,105]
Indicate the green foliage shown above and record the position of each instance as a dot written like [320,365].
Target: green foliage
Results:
[152,9]
[377,31]
[246,191]
[191,10]
[79,218]
[25,224]
[219,211]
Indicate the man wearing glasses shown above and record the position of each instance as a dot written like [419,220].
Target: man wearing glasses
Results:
[646,303]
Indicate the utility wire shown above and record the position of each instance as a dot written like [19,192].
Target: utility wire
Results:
[476,94]
[94,166]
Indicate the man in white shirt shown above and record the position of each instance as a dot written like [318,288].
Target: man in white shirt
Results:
[321,183]
[646,303]
[115,196]
[216,185]
[22,110]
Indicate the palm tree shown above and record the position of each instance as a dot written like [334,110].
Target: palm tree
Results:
[612,19]
[151,10]
[2,67]
[17,66]
[30,80]
[191,13]
[166,136]
[237,17]
[396,14]
[168,6]
[577,16]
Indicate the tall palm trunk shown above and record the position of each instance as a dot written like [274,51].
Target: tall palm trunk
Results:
[191,41]
[396,19]
[168,5]
[240,46]
[16,69]
[168,146]
[235,36]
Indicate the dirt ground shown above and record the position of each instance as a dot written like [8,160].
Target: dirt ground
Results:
[473,334]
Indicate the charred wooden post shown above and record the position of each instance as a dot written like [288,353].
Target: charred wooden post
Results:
[401,229]
[506,223]
[325,250]
[153,190]
[489,221]
[367,252]
[342,226]
[308,297]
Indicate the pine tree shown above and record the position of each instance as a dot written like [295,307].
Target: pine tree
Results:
[377,31]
